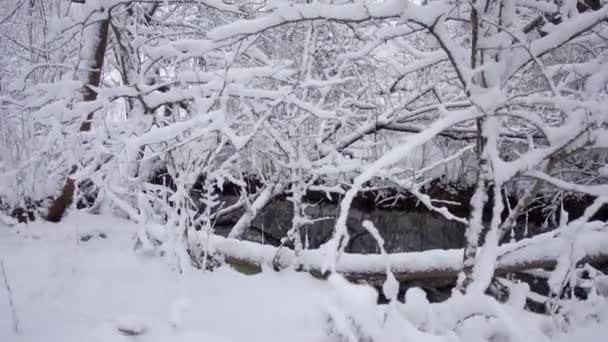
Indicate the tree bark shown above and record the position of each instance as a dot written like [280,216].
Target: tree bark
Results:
[514,257]
[93,60]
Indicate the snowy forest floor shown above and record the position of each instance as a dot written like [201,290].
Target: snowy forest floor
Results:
[64,289]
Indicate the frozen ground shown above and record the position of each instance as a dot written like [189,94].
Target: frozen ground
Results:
[68,290]
[65,289]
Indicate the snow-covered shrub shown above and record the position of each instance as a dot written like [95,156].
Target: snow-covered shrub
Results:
[355,316]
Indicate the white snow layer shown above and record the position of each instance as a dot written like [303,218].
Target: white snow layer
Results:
[65,289]
[68,290]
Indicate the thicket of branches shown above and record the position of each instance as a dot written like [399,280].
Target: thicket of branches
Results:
[335,96]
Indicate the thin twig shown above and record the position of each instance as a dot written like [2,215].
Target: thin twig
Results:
[10,299]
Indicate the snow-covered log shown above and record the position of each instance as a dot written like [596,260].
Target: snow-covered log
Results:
[541,251]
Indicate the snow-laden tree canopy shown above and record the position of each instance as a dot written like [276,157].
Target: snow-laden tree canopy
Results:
[340,97]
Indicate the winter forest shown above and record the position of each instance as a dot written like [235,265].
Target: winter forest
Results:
[304,170]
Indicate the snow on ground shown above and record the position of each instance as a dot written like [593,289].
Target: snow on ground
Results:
[65,289]
[595,331]
[68,290]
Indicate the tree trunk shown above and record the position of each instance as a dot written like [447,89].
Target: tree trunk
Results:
[93,60]
[528,254]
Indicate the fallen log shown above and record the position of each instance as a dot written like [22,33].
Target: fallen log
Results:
[541,251]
